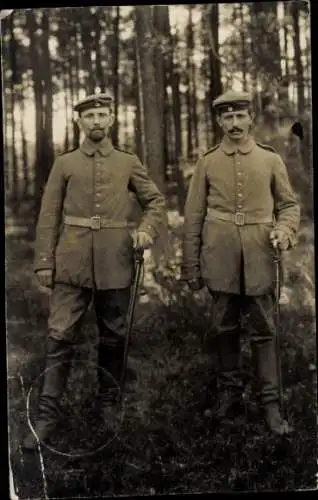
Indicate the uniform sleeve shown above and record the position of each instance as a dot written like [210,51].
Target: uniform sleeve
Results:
[286,206]
[49,219]
[150,199]
[194,214]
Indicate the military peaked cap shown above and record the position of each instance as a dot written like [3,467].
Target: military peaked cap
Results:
[232,101]
[93,101]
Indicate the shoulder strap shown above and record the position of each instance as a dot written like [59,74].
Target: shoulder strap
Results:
[123,151]
[266,146]
[211,150]
[68,151]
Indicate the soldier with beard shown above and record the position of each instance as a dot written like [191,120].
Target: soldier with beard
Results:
[84,250]
[240,205]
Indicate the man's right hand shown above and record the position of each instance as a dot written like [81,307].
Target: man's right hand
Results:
[45,277]
[196,284]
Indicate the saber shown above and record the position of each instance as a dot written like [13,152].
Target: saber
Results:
[277,258]
[139,259]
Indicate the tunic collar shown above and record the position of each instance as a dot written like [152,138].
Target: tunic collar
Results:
[89,147]
[230,147]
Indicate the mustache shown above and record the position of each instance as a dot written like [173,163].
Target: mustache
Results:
[235,129]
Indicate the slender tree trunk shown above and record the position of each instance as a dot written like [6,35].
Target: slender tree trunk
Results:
[126,136]
[86,43]
[76,36]
[140,141]
[176,101]
[149,99]
[76,130]
[193,82]
[6,145]
[161,17]
[115,55]
[295,12]
[176,113]
[6,104]
[13,82]
[244,51]
[37,86]
[25,160]
[176,109]
[98,61]
[48,100]
[286,56]
[189,89]
[207,118]
[67,136]
[214,62]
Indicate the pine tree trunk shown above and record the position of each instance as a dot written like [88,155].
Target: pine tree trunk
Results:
[161,17]
[48,150]
[176,100]
[25,160]
[193,98]
[88,64]
[148,95]
[244,51]
[100,79]
[37,87]
[189,88]
[13,82]
[298,63]
[66,145]
[214,62]
[140,141]
[115,55]
[174,81]
[76,35]
[286,13]
[6,104]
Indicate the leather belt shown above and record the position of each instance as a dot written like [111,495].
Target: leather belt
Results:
[96,222]
[239,218]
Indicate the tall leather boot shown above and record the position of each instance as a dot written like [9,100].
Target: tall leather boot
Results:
[230,388]
[264,354]
[109,363]
[58,359]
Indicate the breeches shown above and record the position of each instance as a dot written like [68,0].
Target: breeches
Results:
[258,319]
[69,304]
[255,312]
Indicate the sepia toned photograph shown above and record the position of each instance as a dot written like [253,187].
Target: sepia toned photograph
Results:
[159,249]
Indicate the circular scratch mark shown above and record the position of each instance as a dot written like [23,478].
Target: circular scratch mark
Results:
[107,439]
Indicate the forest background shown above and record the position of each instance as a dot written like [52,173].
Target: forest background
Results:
[164,65]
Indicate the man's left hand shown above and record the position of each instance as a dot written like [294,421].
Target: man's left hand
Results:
[142,240]
[279,239]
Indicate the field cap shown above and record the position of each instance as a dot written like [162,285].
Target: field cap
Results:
[232,101]
[93,101]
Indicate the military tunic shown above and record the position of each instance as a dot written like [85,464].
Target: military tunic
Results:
[94,180]
[249,180]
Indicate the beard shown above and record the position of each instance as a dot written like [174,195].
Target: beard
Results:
[97,134]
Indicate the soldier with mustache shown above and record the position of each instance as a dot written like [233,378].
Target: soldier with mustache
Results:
[84,250]
[239,206]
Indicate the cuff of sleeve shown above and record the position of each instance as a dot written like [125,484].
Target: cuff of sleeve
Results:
[292,237]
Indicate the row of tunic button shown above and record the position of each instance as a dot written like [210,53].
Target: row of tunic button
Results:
[239,185]
[98,174]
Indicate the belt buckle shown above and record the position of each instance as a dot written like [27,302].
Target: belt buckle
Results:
[95,222]
[239,219]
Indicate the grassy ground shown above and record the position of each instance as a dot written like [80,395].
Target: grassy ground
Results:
[166,442]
